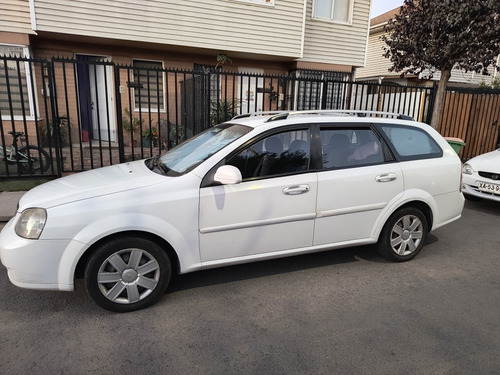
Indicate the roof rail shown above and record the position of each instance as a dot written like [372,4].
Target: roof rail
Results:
[261,113]
[281,115]
[359,113]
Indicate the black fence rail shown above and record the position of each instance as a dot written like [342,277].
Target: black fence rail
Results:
[84,113]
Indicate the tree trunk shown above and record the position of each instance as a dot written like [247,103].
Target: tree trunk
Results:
[438,103]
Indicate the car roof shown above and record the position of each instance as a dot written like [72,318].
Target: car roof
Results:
[278,118]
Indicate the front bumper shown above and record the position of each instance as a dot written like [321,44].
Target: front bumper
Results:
[32,264]
[469,187]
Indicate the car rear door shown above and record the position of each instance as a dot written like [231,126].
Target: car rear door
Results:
[358,182]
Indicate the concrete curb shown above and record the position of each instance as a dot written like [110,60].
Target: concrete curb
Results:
[8,204]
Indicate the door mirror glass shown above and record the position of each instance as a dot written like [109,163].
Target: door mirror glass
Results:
[228,175]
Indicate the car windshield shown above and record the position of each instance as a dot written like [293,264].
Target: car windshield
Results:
[194,151]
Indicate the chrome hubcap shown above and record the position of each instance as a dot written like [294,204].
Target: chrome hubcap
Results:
[128,276]
[406,235]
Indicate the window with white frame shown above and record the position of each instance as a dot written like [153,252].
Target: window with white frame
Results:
[332,10]
[148,85]
[16,87]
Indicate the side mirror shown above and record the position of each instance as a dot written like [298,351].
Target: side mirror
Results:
[228,175]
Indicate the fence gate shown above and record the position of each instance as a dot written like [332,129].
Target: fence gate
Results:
[26,107]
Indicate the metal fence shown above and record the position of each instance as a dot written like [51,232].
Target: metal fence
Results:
[87,113]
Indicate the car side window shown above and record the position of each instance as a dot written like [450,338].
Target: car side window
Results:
[277,154]
[411,143]
[350,147]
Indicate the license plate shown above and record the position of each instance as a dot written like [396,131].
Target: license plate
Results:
[488,188]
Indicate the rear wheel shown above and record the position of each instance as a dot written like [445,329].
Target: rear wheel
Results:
[127,274]
[403,235]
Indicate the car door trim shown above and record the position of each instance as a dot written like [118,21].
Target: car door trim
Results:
[258,223]
[352,210]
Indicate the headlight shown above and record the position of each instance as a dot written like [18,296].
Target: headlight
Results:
[467,169]
[31,223]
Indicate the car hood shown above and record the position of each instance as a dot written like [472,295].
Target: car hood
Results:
[90,184]
[489,162]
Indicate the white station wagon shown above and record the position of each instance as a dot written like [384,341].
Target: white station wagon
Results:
[256,187]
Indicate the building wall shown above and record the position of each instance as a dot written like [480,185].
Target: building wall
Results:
[462,77]
[337,43]
[376,65]
[15,16]
[283,30]
[226,25]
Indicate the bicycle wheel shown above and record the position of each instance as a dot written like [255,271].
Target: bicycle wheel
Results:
[33,159]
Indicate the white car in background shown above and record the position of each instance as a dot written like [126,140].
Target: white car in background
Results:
[254,188]
[481,177]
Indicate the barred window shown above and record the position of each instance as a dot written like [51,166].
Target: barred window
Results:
[317,89]
[148,88]
[16,97]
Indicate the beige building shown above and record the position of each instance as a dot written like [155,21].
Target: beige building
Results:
[271,35]
[296,38]
[377,66]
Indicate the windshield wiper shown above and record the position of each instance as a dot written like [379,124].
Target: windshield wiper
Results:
[156,165]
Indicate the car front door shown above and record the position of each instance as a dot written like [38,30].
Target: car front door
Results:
[271,210]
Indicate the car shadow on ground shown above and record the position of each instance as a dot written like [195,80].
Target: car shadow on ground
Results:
[274,267]
[46,302]
[484,206]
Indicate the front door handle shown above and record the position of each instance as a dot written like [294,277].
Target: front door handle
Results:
[296,190]
[386,177]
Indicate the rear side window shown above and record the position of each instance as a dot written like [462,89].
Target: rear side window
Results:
[349,147]
[411,143]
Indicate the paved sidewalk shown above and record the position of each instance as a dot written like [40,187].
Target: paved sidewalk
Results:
[8,204]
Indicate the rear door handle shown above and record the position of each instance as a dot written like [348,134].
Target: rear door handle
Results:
[296,190]
[386,177]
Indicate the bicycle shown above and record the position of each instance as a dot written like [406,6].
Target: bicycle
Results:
[31,159]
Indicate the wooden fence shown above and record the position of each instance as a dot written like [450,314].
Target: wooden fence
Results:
[473,116]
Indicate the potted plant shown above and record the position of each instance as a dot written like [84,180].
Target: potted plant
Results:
[150,137]
[176,135]
[131,125]
[55,135]
[222,110]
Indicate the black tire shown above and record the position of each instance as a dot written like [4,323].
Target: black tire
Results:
[34,159]
[403,235]
[120,262]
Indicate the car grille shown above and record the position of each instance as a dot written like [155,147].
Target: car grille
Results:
[490,175]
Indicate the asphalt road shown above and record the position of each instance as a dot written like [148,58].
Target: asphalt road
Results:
[339,312]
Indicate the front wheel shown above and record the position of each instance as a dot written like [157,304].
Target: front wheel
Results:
[127,274]
[403,235]
[33,159]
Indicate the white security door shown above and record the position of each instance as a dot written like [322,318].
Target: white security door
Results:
[102,96]
[250,92]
